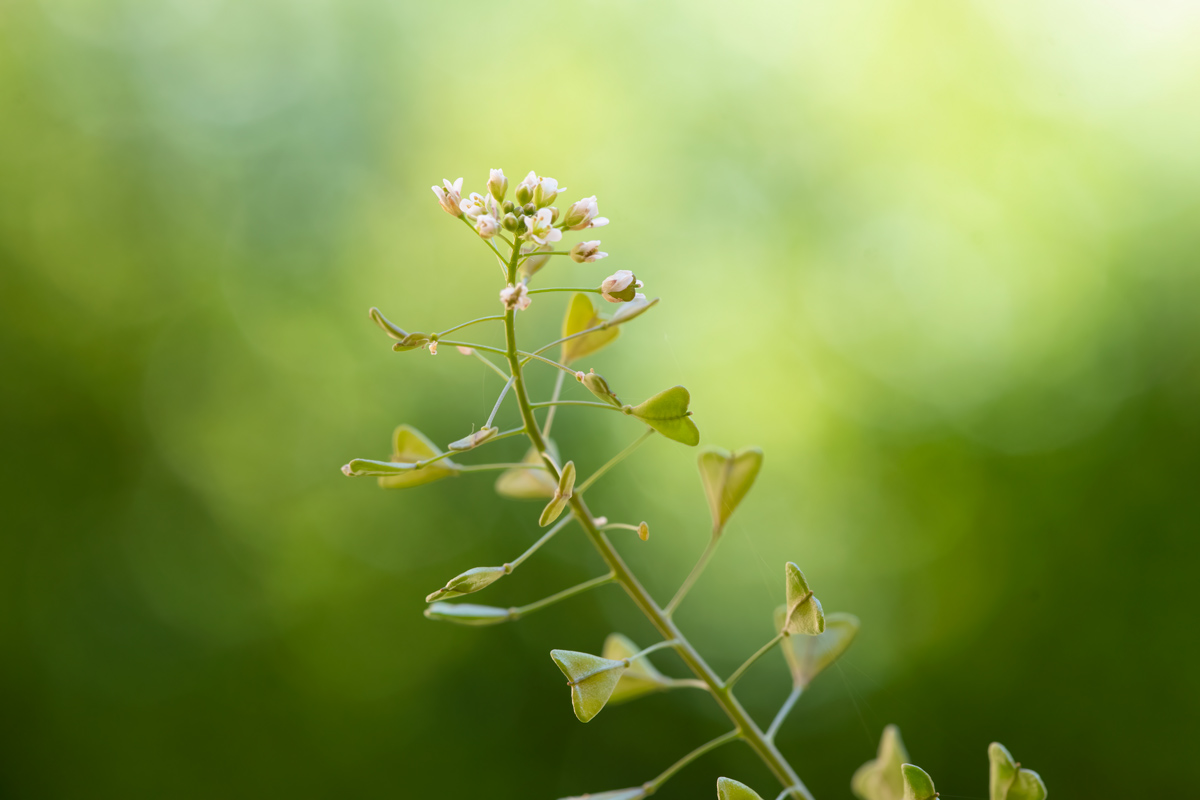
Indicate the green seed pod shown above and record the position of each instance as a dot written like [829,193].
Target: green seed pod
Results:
[1008,781]
[727,477]
[598,386]
[562,495]
[391,329]
[412,341]
[667,412]
[808,656]
[468,614]
[803,613]
[917,783]
[468,582]
[528,484]
[641,678]
[472,441]
[592,680]
[729,789]
[881,778]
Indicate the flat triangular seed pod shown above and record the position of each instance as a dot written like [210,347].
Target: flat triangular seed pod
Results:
[1009,781]
[640,678]
[562,495]
[592,680]
[637,793]
[917,783]
[468,614]
[729,789]
[408,447]
[667,412]
[470,581]
[528,484]
[807,656]
[581,315]
[727,477]
[881,779]
[390,328]
[803,612]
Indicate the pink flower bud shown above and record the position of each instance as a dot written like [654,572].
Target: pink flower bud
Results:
[587,251]
[449,196]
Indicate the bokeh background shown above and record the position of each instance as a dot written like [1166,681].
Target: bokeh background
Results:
[937,258]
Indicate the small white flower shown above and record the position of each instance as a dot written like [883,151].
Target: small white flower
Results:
[526,188]
[450,196]
[547,189]
[433,348]
[540,227]
[515,297]
[587,251]
[620,286]
[582,214]
[477,204]
[497,184]
[487,226]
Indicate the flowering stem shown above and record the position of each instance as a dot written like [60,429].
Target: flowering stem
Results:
[746,726]
[762,651]
[566,289]
[784,710]
[652,786]
[692,576]
[472,322]
[547,536]
[538,605]
[558,384]
[617,459]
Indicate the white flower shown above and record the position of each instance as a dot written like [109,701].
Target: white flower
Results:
[515,297]
[540,227]
[497,184]
[587,251]
[433,348]
[582,214]
[450,196]
[619,287]
[486,225]
[477,204]
[526,187]
[547,189]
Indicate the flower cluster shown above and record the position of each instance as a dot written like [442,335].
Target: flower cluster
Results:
[536,225]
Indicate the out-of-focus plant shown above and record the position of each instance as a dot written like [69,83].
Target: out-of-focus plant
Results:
[530,228]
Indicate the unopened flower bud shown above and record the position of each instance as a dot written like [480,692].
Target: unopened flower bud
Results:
[510,222]
[587,251]
[554,213]
[515,297]
[487,226]
[524,192]
[545,192]
[529,209]
[497,184]
[620,287]
[449,195]
[508,206]
[583,214]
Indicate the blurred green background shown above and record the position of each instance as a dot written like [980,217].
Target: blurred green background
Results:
[937,258]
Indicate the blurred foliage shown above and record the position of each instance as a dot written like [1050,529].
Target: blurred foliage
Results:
[937,258]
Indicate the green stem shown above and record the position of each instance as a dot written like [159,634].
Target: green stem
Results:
[499,400]
[617,459]
[784,710]
[657,646]
[491,246]
[465,324]
[538,605]
[762,651]
[693,575]
[489,467]
[746,726]
[565,289]
[485,348]
[549,403]
[653,786]
[558,384]
[547,536]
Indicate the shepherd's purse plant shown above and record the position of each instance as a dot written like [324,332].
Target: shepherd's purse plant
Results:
[523,233]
